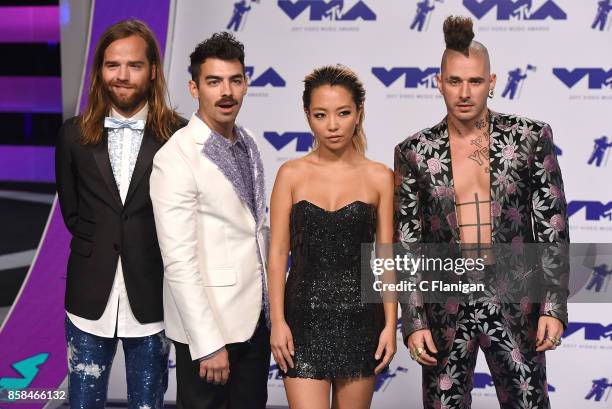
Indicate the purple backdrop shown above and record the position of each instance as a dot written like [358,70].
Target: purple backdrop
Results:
[36,322]
[25,24]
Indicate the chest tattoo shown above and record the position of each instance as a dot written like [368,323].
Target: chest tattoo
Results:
[480,144]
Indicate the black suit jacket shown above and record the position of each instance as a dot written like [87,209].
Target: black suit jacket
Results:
[103,229]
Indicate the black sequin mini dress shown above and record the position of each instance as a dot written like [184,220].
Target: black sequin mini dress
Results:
[335,335]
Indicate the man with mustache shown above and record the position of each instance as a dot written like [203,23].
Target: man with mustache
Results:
[207,188]
[115,270]
[487,184]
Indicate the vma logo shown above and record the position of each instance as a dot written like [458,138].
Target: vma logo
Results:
[601,22]
[598,78]
[515,9]
[239,15]
[594,210]
[598,389]
[268,77]
[423,12]
[483,380]
[330,10]
[600,278]
[592,331]
[280,140]
[384,378]
[413,77]
[601,151]
[516,77]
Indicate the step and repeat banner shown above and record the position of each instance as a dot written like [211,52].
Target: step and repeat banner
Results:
[553,61]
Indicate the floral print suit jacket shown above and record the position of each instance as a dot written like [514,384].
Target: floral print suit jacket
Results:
[528,206]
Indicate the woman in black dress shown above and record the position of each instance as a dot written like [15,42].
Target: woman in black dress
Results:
[324,206]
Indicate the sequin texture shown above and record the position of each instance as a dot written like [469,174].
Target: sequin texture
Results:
[90,358]
[115,151]
[219,152]
[335,335]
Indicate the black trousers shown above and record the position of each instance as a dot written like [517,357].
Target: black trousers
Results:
[247,387]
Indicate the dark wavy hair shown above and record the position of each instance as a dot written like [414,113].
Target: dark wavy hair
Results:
[344,77]
[223,46]
[160,117]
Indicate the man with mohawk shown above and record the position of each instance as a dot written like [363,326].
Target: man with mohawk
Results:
[502,186]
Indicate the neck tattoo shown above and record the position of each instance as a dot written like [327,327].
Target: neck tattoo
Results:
[480,155]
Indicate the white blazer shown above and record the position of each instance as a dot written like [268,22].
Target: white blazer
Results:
[209,240]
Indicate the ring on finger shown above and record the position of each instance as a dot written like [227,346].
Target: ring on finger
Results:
[416,354]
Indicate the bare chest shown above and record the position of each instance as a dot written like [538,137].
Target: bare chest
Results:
[471,179]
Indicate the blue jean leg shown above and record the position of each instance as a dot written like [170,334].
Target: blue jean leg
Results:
[146,362]
[89,364]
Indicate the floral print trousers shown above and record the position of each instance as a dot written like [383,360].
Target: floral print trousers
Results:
[518,371]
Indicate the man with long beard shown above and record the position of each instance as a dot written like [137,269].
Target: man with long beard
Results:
[115,270]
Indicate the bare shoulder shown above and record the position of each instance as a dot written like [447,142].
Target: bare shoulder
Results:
[379,177]
[292,170]
[378,171]
[293,166]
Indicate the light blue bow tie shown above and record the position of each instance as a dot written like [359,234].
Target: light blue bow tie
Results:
[133,124]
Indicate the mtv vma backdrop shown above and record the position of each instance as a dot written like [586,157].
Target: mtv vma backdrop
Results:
[553,63]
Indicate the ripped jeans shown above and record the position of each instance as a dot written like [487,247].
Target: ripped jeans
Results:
[90,358]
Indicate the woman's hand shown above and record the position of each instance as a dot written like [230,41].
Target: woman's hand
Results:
[281,342]
[387,344]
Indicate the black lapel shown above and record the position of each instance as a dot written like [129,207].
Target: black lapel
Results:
[447,203]
[100,152]
[498,129]
[149,146]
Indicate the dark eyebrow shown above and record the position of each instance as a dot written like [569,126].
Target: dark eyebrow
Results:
[325,110]
[216,77]
[454,77]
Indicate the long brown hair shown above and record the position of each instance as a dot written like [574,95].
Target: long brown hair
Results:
[344,77]
[160,116]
